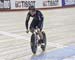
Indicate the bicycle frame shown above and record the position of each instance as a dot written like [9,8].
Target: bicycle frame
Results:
[36,34]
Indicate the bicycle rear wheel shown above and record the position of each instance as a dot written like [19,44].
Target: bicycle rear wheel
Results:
[43,47]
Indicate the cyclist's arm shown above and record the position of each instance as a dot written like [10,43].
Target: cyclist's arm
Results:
[27,20]
[41,18]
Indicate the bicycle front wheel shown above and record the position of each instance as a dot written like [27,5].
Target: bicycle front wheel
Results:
[33,43]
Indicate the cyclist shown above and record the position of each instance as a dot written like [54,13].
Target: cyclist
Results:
[37,22]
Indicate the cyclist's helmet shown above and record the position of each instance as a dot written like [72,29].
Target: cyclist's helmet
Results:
[31,8]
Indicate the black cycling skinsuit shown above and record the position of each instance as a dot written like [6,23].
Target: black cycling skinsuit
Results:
[37,20]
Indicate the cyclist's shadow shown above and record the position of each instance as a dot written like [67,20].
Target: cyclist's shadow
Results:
[41,56]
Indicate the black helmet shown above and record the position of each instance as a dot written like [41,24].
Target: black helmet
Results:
[31,8]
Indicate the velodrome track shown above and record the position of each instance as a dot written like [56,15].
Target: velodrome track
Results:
[59,25]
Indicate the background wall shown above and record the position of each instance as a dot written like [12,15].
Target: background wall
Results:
[24,4]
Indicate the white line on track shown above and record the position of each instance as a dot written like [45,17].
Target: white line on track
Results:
[57,45]
[12,35]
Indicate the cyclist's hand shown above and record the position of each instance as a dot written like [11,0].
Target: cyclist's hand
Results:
[27,31]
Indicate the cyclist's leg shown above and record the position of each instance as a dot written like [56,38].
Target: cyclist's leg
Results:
[40,26]
[40,33]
